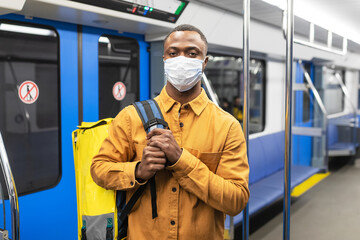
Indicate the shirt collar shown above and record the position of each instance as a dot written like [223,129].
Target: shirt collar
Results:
[197,105]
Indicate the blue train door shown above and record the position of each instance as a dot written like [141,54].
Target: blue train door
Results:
[303,119]
[115,72]
[38,112]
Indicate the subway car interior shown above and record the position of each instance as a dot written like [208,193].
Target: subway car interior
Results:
[288,70]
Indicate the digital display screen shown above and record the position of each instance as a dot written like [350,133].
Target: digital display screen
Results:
[164,10]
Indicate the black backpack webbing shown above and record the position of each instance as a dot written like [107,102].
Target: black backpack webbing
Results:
[151,117]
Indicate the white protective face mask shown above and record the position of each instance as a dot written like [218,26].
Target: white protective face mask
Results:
[182,72]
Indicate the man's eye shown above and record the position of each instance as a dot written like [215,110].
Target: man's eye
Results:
[172,54]
[192,54]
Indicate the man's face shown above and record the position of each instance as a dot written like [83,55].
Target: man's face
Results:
[185,43]
[238,102]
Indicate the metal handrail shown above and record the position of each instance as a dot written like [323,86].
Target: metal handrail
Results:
[10,184]
[246,72]
[288,99]
[213,96]
[322,108]
[313,89]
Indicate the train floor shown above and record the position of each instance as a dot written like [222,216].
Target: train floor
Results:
[330,210]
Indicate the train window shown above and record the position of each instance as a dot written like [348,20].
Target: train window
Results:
[226,76]
[30,104]
[118,74]
[333,95]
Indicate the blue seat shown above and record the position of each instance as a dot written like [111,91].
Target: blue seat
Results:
[337,145]
[267,173]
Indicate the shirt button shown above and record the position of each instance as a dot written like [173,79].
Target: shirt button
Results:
[181,124]
[131,183]
[186,106]
[174,189]
[172,222]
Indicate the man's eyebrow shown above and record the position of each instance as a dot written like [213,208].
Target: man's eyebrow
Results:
[192,48]
[174,48]
[186,48]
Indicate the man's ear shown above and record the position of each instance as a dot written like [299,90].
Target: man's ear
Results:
[205,62]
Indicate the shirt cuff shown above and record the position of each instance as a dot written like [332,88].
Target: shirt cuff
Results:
[136,181]
[129,169]
[184,165]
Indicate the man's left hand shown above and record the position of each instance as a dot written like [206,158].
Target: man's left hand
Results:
[164,139]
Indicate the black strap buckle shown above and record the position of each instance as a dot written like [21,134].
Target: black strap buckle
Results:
[155,121]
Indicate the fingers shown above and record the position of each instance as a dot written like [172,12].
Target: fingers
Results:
[155,167]
[164,140]
[153,160]
[159,144]
[153,156]
[153,151]
[156,131]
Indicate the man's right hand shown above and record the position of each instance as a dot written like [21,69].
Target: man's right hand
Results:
[153,160]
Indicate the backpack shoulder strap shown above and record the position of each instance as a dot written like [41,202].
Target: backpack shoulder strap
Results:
[151,118]
[150,115]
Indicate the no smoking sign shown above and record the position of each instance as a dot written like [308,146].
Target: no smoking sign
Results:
[119,91]
[28,92]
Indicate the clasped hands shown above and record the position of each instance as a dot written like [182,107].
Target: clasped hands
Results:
[161,146]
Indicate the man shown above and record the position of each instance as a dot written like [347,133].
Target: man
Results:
[200,164]
[237,109]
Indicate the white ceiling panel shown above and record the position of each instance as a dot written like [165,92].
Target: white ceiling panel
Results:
[341,15]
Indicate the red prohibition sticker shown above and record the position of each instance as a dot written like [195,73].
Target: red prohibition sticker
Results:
[28,92]
[119,91]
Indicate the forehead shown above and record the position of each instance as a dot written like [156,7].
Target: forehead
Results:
[185,39]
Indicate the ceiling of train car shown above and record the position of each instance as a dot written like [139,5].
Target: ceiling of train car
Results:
[259,10]
[343,13]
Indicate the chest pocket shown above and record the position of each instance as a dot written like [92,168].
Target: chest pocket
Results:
[211,159]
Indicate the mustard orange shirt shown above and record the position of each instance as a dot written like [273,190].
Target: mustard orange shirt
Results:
[209,179]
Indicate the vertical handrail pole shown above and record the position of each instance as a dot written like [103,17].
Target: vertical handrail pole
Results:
[288,97]
[246,73]
[10,184]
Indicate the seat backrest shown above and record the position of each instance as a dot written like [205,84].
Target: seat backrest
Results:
[266,155]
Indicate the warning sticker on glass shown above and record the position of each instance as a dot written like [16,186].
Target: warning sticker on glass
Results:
[119,91]
[28,92]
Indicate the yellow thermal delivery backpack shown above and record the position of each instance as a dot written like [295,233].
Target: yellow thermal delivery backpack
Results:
[95,220]
[102,214]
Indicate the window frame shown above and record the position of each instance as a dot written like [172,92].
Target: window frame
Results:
[58,82]
[264,84]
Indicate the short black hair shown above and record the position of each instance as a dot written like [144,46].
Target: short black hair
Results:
[188,27]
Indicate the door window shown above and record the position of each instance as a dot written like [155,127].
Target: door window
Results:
[118,74]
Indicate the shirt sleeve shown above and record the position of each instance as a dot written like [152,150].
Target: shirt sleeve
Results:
[112,168]
[226,190]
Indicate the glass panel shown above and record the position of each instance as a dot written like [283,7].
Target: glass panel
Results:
[309,124]
[333,95]
[225,74]
[118,74]
[30,104]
